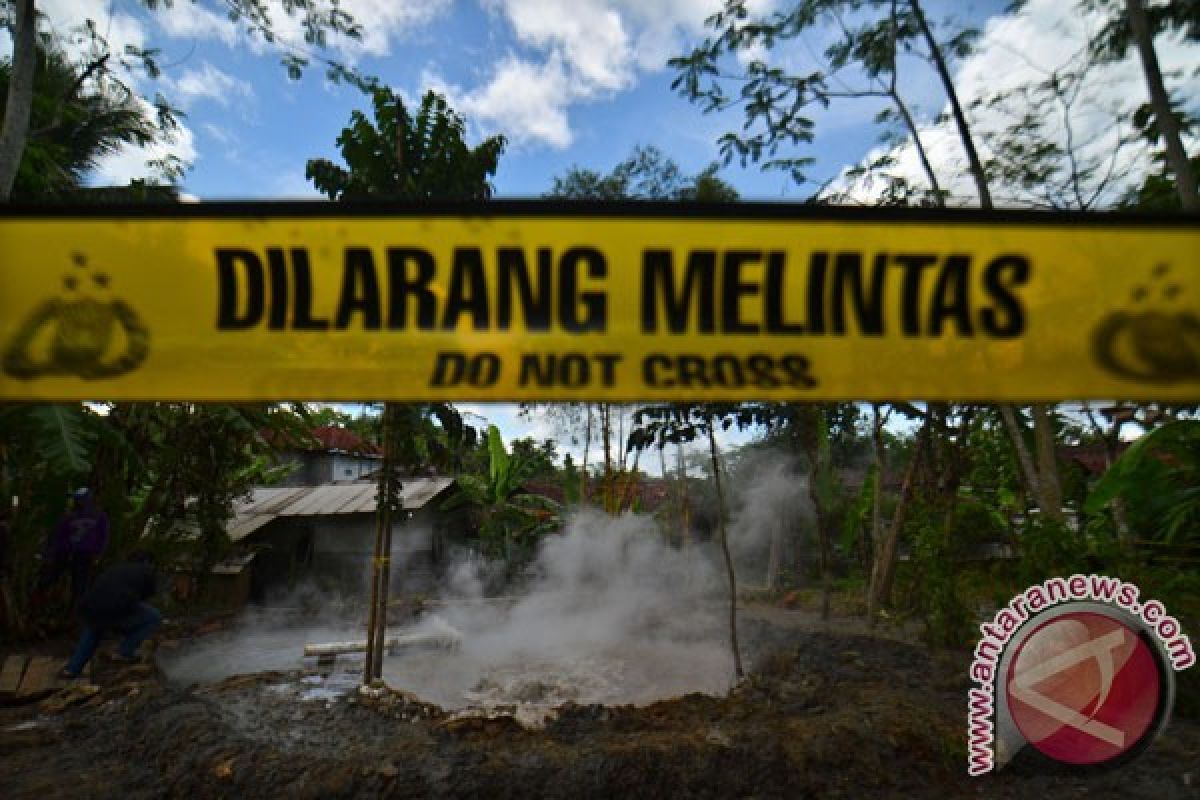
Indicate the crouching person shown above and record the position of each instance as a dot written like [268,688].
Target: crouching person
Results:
[117,602]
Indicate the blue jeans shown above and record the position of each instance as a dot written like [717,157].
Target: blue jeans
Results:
[136,627]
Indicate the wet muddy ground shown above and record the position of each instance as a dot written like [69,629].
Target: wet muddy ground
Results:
[825,713]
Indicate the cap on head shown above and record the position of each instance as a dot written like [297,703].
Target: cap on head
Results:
[82,493]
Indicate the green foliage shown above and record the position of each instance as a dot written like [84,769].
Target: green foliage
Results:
[681,423]
[1047,548]
[403,157]
[541,457]
[510,520]
[167,474]
[1159,191]
[647,174]
[74,122]
[316,21]
[993,465]
[572,482]
[941,541]
[66,437]
[856,522]
[1116,37]
[1159,476]
[775,102]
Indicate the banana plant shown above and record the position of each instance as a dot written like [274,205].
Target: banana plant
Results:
[1159,475]
[510,520]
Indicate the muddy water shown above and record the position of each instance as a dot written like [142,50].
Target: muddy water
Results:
[492,668]
[634,673]
[249,648]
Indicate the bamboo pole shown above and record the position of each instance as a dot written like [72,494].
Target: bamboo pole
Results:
[722,533]
[373,614]
[382,562]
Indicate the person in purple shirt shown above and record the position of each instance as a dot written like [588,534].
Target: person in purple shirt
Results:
[78,542]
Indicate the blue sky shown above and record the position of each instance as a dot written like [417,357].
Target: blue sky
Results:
[568,83]
[576,83]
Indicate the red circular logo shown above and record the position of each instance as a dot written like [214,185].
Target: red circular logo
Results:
[1084,688]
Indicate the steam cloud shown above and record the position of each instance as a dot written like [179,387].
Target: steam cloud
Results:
[610,614]
[607,613]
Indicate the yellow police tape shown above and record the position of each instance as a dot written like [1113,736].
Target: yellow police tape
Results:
[540,303]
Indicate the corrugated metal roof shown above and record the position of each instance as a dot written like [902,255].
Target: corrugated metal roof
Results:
[265,505]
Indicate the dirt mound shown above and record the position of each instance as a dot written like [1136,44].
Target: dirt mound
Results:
[829,716]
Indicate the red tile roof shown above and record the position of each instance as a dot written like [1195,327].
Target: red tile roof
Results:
[343,439]
[1091,457]
[328,438]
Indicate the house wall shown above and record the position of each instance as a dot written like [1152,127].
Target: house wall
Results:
[349,468]
[335,552]
[314,469]
[308,471]
[344,544]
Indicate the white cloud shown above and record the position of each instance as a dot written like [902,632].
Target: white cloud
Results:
[382,23]
[385,20]
[1049,36]
[574,52]
[525,101]
[207,82]
[65,19]
[588,36]
[220,134]
[192,20]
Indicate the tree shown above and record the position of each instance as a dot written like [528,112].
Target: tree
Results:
[72,125]
[399,157]
[1160,474]
[541,455]
[646,174]
[1055,144]
[166,473]
[403,158]
[1131,22]
[775,102]
[679,423]
[510,520]
[317,20]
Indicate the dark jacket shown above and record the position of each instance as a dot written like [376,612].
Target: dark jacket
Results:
[117,592]
[81,532]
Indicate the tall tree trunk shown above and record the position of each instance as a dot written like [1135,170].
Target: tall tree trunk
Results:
[814,437]
[19,105]
[721,534]
[960,119]
[877,489]
[381,569]
[1016,434]
[884,571]
[685,503]
[1040,478]
[909,122]
[1164,120]
[1112,441]
[1050,498]
[587,446]
[774,555]
[606,434]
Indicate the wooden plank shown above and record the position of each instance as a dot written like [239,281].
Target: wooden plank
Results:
[10,674]
[41,676]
